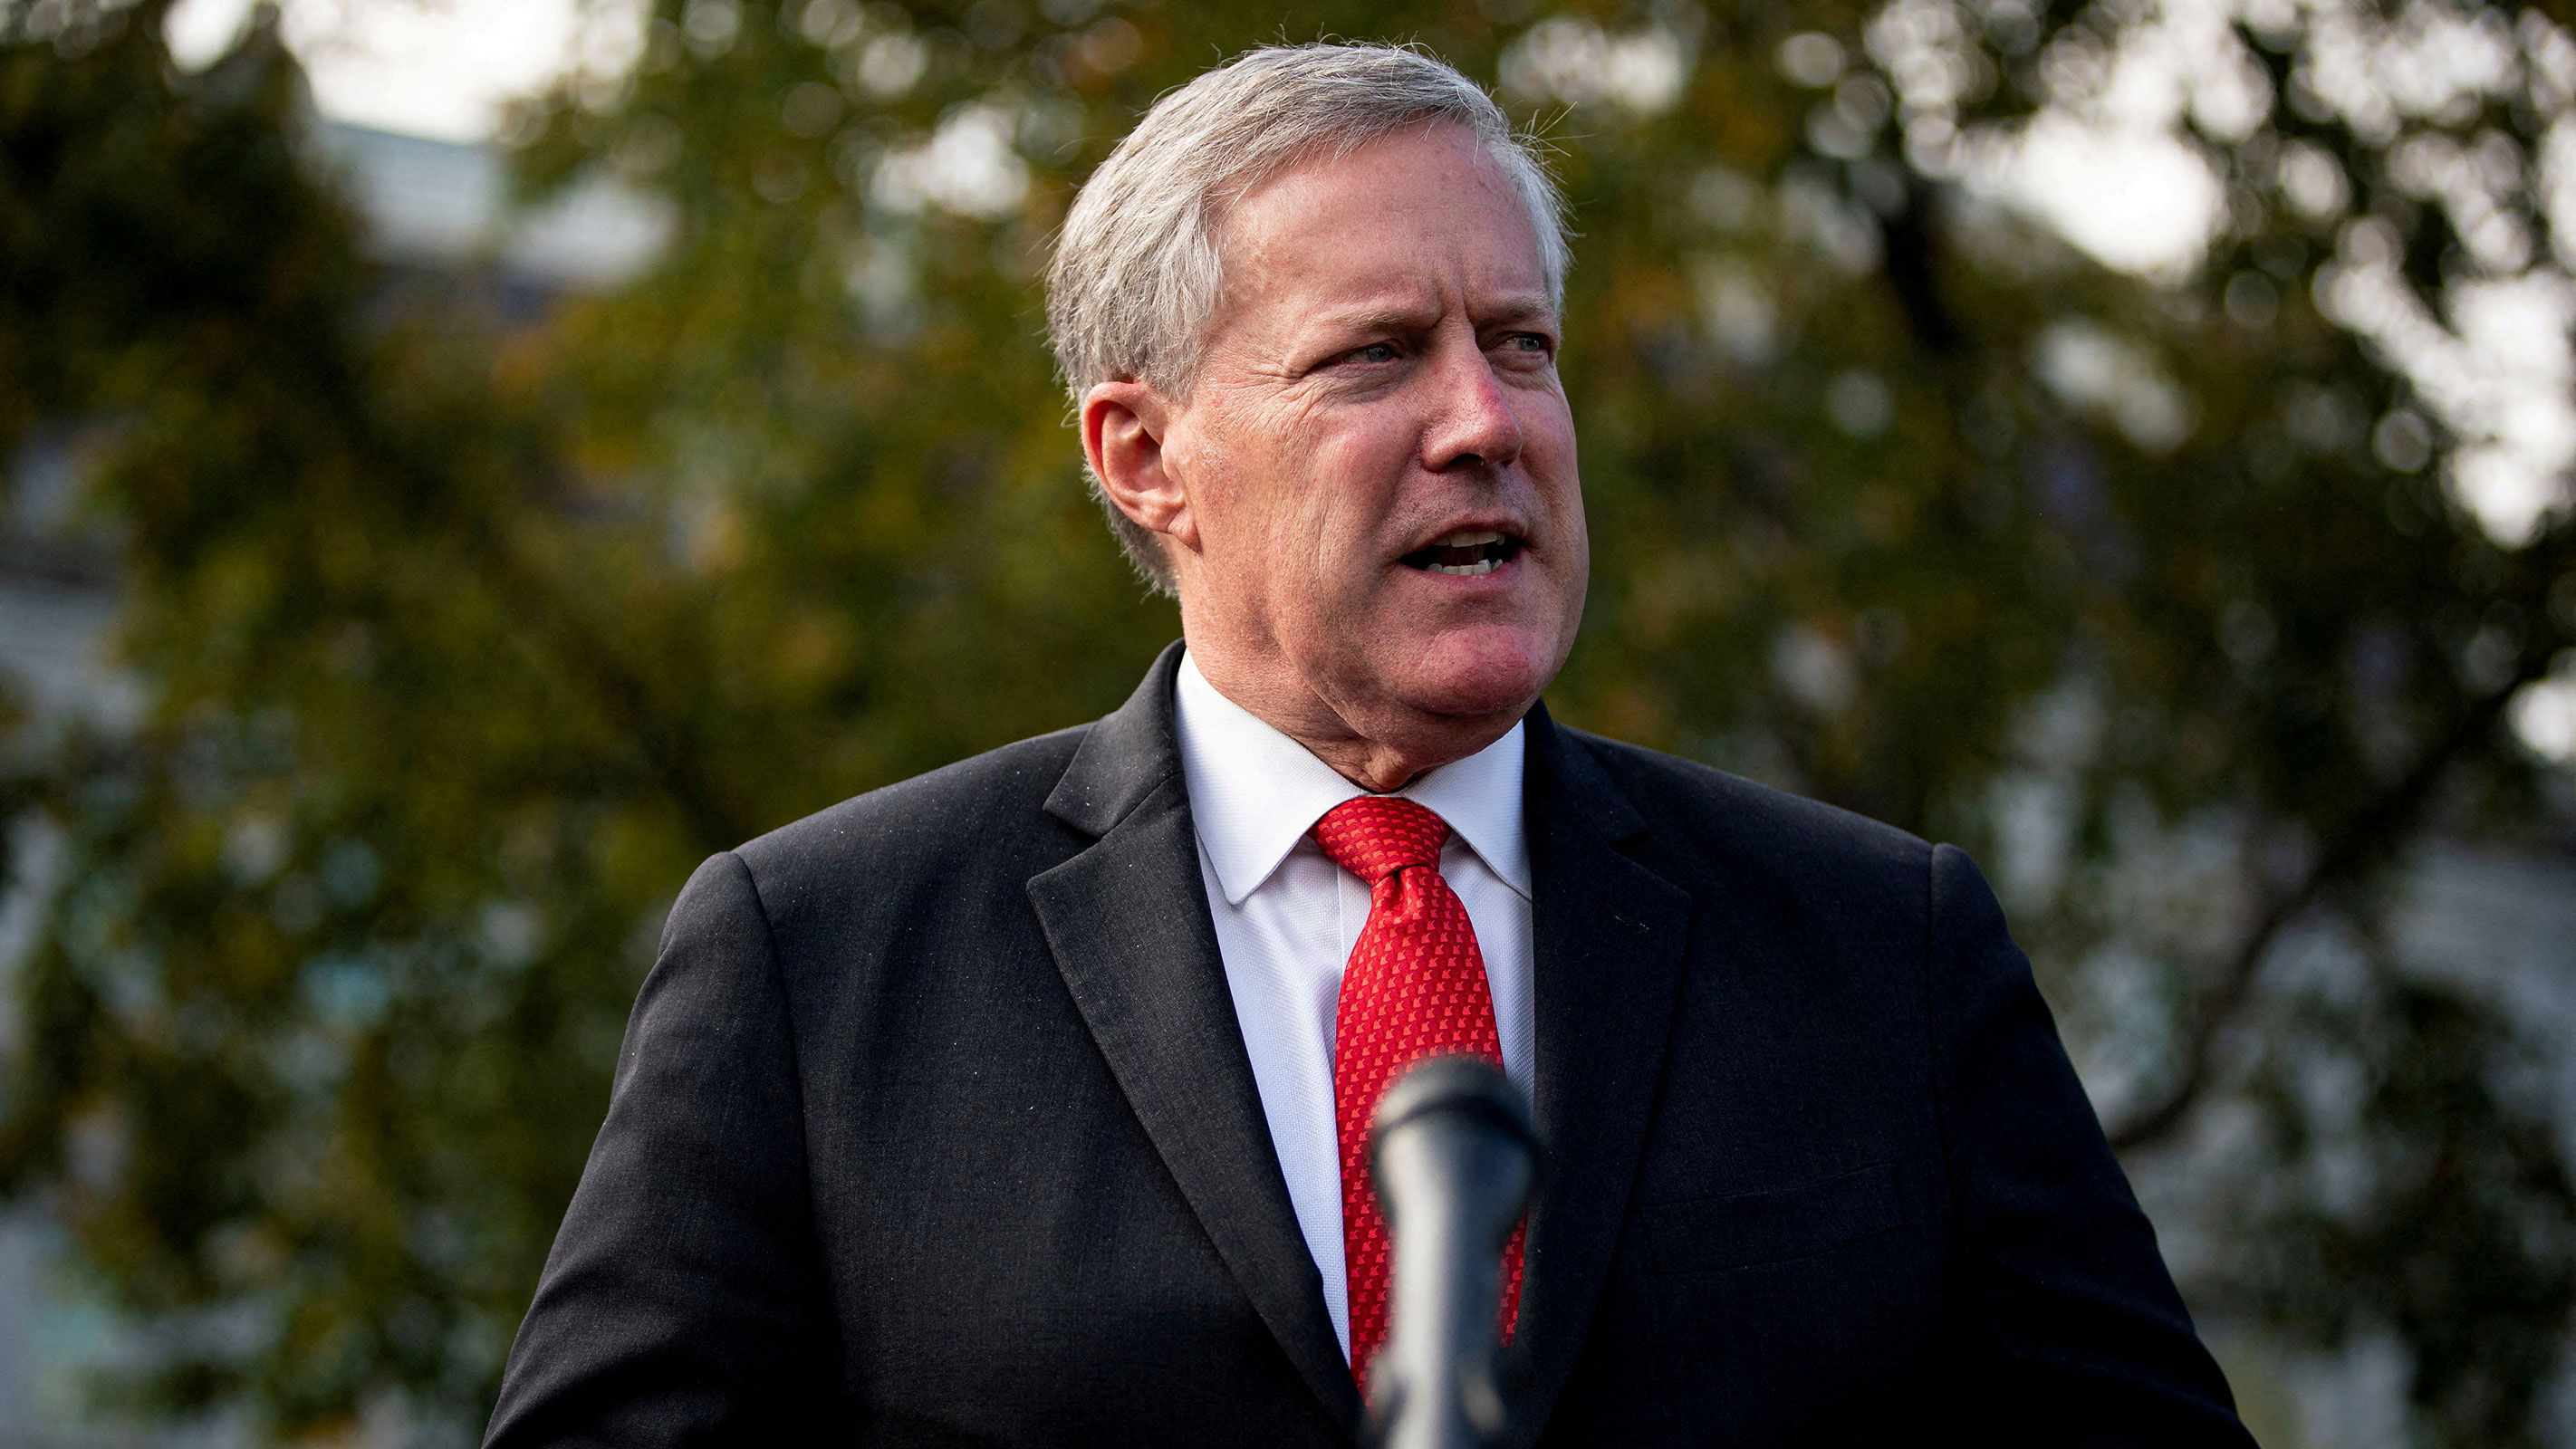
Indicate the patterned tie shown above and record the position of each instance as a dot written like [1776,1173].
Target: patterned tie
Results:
[1415,987]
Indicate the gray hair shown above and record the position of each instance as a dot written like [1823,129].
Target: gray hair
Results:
[1137,278]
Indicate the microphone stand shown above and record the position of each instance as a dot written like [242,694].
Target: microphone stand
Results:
[1455,1160]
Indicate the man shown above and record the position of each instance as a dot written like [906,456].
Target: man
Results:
[1018,1104]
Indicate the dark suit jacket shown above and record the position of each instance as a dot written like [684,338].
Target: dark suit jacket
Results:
[934,1126]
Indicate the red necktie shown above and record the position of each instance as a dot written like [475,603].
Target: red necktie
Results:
[1415,988]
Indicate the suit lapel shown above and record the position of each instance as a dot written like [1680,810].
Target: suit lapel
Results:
[1609,945]
[1128,922]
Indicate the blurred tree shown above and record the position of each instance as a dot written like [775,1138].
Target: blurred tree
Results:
[2191,603]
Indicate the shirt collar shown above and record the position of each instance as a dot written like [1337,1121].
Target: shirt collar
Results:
[1254,792]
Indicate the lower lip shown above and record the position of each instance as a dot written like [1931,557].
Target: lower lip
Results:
[1499,578]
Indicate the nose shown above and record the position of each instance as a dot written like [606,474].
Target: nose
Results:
[1472,423]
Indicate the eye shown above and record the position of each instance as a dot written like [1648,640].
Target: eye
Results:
[1528,344]
[1374,352]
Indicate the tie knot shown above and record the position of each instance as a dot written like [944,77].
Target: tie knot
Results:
[1374,836]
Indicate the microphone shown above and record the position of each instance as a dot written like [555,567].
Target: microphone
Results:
[1455,1160]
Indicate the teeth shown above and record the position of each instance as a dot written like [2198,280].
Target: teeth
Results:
[1467,553]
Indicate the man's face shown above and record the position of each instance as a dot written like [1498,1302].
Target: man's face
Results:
[1383,511]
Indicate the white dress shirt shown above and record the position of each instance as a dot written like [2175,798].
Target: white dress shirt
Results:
[1287,918]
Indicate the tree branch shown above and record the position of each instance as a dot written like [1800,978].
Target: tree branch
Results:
[1913,244]
[2363,839]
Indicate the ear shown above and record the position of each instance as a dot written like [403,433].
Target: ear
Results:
[1123,428]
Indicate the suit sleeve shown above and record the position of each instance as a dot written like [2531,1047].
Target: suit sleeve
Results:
[2075,1335]
[682,1302]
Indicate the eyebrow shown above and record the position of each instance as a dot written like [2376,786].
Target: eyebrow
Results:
[1523,308]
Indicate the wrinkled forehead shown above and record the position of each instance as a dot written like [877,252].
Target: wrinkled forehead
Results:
[1413,218]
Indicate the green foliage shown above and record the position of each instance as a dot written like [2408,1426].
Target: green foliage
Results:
[467,635]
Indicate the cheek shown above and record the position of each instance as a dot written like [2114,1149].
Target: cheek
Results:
[1296,501]
[1339,490]
[1547,433]
[1231,497]
[1285,536]
[1548,457]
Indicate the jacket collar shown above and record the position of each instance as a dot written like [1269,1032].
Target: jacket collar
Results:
[1608,963]
[1124,757]
[1128,922]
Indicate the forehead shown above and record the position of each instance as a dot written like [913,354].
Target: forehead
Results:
[1425,210]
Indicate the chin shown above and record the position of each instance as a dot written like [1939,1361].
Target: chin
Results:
[1475,673]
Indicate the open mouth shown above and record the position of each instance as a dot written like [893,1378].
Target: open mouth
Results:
[1478,551]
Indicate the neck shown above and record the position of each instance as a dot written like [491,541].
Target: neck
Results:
[1380,749]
